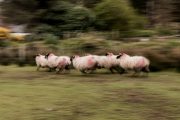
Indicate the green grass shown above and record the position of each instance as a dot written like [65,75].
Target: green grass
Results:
[26,94]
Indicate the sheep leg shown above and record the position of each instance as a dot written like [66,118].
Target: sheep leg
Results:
[146,70]
[38,67]
[59,70]
[83,71]
[111,69]
[119,70]
[116,69]
[67,68]
[91,70]
[122,71]
[136,71]
[50,70]
[99,67]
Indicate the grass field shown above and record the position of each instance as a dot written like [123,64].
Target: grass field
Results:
[26,94]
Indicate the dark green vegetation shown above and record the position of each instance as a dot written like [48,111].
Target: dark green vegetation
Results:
[60,16]
[30,95]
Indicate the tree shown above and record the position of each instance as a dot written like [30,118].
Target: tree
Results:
[159,12]
[53,16]
[140,5]
[86,3]
[116,15]
[18,11]
[176,11]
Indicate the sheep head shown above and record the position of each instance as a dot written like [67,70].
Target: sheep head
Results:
[73,57]
[47,55]
[38,55]
[108,53]
[120,54]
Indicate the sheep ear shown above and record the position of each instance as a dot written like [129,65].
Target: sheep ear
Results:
[118,56]
[71,58]
[121,53]
[34,56]
[37,55]
[46,56]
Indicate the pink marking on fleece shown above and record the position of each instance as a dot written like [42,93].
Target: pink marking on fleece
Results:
[61,63]
[140,63]
[90,61]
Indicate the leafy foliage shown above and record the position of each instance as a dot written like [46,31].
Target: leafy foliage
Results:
[50,39]
[116,15]
[19,11]
[48,16]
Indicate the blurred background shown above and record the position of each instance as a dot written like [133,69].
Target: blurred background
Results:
[69,27]
[66,27]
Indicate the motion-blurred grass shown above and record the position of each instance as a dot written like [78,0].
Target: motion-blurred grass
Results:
[30,95]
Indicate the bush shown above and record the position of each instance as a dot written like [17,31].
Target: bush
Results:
[5,43]
[89,47]
[62,16]
[117,15]
[164,31]
[47,37]
[32,37]
[141,33]
[79,18]
[50,39]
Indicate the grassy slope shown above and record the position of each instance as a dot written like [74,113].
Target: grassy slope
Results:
[29,95]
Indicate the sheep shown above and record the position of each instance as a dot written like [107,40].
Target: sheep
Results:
[41,61]
[60,63]
[136,63]
[85,64]
[108,61]
[64,63]
[113,62]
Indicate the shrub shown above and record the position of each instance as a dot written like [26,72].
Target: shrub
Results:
[47,37]
[117,15]
[50,39]
[5,43]
[164,31]
[89,47]
[140,33]
[79,18]
[32,37]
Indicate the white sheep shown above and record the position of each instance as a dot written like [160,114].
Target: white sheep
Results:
[84,64]
[60,63]
[41,61]
[109,62]
[136,63]
[114,63]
